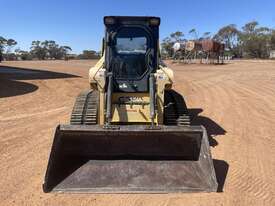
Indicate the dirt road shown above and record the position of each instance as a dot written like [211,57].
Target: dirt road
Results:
[235,102]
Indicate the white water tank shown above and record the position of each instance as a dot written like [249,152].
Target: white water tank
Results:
[178,46]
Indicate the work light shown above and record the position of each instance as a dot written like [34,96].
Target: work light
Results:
[154,21]
[109,20]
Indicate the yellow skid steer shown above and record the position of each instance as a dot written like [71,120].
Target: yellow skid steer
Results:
[130,133]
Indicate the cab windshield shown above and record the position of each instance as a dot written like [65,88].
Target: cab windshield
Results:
[131,41]
[129,56]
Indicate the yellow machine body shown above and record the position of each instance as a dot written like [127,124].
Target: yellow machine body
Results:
[130,107]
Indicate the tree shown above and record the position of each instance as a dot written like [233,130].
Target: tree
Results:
[167,47]
[7,44]
[168,42]
[49,49]
[38,50]
[3,42]
[194,33]
[250,27]
[10,43]
[54,51]
[272,40]
[229,35]
[88,54]
[23,55]
[206,35]
[176,36]
[256,41]
[65,50]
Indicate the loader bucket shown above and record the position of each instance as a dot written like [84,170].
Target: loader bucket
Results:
[130,159]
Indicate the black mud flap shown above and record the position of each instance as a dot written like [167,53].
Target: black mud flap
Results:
[130,159]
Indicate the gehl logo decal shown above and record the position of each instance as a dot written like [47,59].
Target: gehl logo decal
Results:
[122,86]
[130,100]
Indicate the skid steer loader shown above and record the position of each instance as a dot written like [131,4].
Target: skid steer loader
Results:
[130,133]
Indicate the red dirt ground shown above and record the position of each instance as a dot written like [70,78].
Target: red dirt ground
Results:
[235,102]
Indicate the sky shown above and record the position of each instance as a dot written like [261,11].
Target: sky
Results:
[79,23]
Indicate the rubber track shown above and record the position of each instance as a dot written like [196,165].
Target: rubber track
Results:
[85,108]
[175,110]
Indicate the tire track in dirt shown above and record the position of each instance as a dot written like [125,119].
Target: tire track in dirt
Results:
[21,116]
[238,97]
[241,177]
[258,188]
[255,186]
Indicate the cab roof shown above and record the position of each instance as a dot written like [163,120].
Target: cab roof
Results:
[146,20]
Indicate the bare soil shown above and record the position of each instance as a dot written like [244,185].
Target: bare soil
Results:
[235,102]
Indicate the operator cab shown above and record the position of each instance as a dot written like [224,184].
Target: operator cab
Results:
[131,51]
